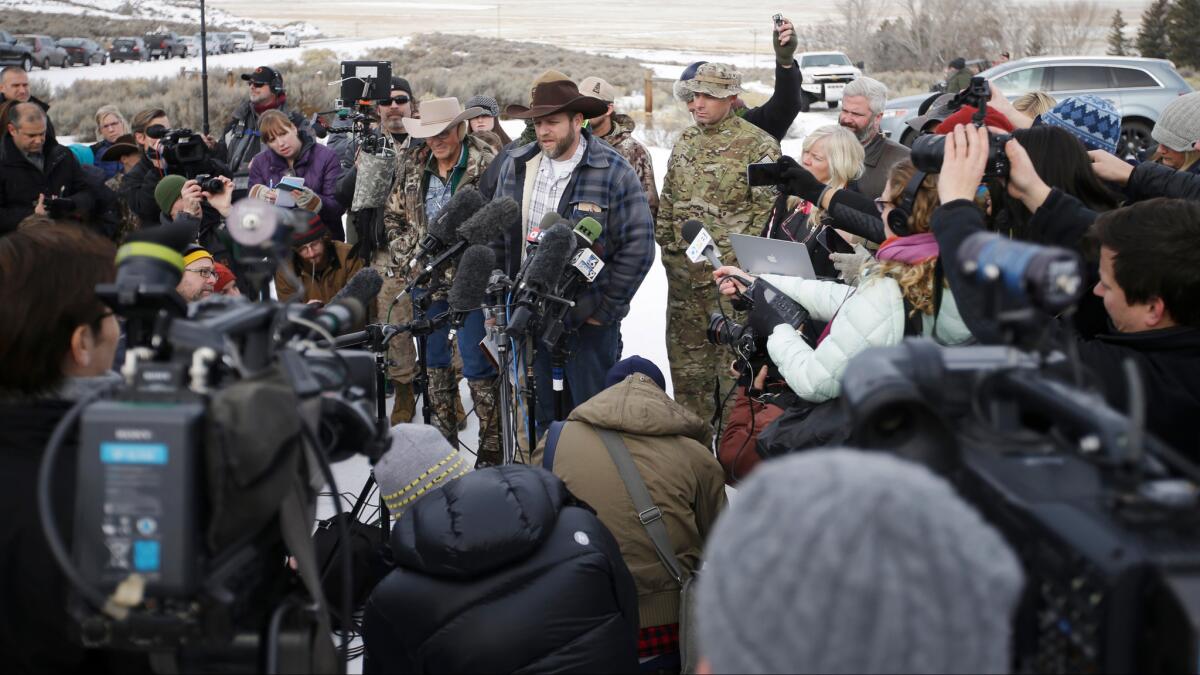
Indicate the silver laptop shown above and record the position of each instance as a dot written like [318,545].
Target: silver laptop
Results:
[759,255]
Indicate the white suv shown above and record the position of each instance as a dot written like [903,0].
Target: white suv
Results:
[242,42]
[283,39]
[825,76]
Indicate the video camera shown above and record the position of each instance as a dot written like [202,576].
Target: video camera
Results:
[928,150]
[183,149]
[1104,517]
[197,476]
[362,85]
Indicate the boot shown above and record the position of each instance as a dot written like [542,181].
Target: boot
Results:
[443,392]
[405,405]
[483,394]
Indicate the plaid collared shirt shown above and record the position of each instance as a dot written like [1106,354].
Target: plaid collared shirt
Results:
[549,186]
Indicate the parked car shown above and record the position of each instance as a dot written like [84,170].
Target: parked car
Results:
[283,39]
[165,45]
[1140,88]
[212,44]
[45,52]
[83,51]
[224,41]
[242,41]
[825,75]
[128,49]
[13,52]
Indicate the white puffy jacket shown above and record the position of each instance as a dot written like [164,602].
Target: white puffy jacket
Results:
[871,315]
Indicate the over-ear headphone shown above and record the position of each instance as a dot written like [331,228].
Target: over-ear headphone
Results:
[898,217]
[277,84]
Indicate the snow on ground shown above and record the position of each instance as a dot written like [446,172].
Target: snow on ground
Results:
[217,63]
[164,10]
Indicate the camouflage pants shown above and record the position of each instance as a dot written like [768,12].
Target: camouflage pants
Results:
[402,353]
[695,363]
[484,395]
[443,396]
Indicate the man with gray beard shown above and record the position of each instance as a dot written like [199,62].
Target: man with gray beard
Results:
[862,109]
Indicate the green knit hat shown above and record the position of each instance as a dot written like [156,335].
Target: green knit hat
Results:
[167,191]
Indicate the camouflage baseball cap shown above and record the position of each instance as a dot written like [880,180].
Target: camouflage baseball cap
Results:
[719,80]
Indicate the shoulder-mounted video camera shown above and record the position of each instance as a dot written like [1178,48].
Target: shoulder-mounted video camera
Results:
[179,147]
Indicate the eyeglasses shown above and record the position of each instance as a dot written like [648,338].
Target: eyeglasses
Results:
[204,272]
[881,204]
[395,100]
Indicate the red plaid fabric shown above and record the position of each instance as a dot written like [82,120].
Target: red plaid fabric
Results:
[656,640]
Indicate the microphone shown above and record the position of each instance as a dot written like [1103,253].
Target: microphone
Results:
[348,308]
[588,229]
[470,284]
[482,228]
[535,233]
[442,229]
[544,271]
[700,243]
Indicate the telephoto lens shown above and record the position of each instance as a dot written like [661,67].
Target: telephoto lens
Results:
[1049,277]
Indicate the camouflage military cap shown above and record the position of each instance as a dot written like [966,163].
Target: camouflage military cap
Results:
[719,80]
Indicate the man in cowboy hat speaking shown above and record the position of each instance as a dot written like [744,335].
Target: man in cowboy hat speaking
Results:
[706,180]
[427,176]
[570,172]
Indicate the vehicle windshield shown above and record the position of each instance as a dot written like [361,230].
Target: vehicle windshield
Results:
[70,42]
[277,32]
[32,42]
[123,43]
[822,60]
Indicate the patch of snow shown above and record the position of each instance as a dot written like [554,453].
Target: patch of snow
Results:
[176,11]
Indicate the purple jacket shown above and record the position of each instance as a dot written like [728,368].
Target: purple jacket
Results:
[318,166]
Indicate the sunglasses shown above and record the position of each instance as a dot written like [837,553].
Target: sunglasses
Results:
[257,85]
[395,100]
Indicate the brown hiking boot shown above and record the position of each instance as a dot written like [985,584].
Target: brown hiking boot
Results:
[405,406]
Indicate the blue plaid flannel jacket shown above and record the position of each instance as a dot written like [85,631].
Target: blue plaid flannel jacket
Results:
[605,181]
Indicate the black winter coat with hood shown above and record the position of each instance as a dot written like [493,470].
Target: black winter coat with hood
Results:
[21,182]
[504,571]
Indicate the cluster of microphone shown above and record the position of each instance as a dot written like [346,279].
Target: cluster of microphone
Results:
[559,259]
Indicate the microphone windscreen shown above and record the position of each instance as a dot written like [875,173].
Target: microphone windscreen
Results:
[471,278]
[465,203]
[491,222]
[551,257]
[590,229]
[691,228]
[175,236]
[363,287]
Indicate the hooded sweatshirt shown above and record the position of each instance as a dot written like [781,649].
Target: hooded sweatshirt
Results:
[684,479]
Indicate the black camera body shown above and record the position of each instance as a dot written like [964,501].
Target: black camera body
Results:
[928,150]
[210,184]
[179,147]
[746,342]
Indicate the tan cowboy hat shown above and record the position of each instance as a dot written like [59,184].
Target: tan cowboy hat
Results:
[125,145]
[437,115]
[554,92]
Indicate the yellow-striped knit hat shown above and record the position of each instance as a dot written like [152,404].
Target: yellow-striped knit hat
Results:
[419,460]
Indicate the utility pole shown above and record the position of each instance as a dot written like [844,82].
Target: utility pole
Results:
[755,47]
[203,69]
[497,19]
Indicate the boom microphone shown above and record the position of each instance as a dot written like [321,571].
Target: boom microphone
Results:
[470,283]
[491,221]
[348,308]
[698,238]
[442,229]
[544,270]
[363,286]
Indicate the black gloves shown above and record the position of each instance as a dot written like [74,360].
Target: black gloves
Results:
[799,182]
[784,54]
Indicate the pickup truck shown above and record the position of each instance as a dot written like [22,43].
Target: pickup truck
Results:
[825,75]
[14,53]
[165,45]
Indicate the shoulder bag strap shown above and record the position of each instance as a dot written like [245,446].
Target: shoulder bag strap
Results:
[552,435]
[649,514]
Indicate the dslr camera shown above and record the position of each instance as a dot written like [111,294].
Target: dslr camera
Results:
[210,184]
[928,150]
[764,304]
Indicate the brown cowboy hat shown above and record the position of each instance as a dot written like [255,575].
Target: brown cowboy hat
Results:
[124,145]
[554,92]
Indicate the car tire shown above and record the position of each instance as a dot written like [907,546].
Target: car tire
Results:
[66,63]
[1135,138]
[27,64]
[833,105]
[45,64]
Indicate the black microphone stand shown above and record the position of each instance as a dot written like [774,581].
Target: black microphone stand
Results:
[498,288]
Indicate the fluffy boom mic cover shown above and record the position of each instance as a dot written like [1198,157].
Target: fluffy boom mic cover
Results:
[552,255]
[465,203]
[491,221]
[471,278]
[363,287]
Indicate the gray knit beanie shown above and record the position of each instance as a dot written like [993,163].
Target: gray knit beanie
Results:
[1178,126]
[840,561]
[419,460]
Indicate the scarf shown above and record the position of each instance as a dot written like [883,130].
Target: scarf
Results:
[912,250]
[274,104]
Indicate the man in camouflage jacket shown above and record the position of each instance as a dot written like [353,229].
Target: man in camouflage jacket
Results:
[617,130]
[706,180]
[428,175]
